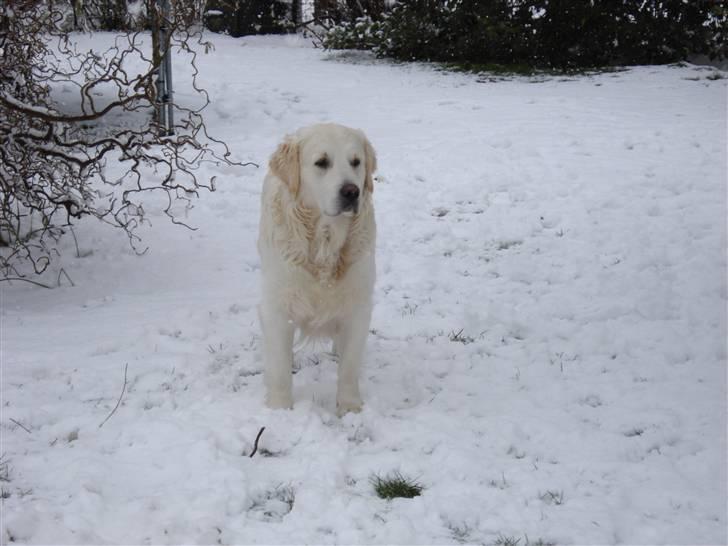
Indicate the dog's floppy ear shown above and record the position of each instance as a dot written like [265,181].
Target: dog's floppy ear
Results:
[370,164]
[285,164]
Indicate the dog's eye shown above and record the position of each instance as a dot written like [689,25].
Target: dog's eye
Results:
[355,162]
[323,163]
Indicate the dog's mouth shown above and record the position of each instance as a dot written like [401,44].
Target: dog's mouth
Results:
[349,210]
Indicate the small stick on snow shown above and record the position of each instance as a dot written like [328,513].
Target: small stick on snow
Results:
[20,425]
[255,445]
[123,388]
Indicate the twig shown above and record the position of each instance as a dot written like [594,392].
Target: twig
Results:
[75,240]
[126,367]
[63,272]
[20,425]
[25,280]
[255,445]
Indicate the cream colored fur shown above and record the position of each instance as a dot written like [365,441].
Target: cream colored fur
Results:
[317,262]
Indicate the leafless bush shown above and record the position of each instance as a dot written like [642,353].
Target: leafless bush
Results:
[97,152]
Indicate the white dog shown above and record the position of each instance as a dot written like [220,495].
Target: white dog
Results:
[316,247]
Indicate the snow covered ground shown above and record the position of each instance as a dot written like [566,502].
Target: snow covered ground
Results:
[548,348]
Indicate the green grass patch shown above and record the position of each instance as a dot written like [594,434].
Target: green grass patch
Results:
[396,486]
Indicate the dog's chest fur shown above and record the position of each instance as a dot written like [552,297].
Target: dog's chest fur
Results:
[327,249]
[318,253]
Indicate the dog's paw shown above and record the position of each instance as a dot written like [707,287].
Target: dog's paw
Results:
[277,400]
[349,405]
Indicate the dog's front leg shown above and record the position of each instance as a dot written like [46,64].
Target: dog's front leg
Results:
[350,341]
[278,333]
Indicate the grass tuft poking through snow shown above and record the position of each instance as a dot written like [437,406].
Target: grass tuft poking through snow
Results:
[553,497]
[459,337]
[506,541]
[396,485]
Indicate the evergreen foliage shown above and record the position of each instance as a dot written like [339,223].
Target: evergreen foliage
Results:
[548,34]
[245,17]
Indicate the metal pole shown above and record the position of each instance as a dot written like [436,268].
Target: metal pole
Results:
[168,82]
[165,106]
[161,111]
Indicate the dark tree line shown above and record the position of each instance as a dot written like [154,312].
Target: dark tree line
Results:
[558,34]
[244,17]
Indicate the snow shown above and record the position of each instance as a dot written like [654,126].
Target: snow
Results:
[548,348]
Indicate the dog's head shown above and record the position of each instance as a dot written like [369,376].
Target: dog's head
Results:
[328,167]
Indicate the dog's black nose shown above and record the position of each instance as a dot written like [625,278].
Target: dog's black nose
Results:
[349,193]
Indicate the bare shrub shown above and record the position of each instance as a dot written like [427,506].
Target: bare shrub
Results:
[99,151]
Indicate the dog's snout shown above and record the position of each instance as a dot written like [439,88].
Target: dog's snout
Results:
[349,192]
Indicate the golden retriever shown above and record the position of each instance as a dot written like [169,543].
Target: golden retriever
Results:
[316,246]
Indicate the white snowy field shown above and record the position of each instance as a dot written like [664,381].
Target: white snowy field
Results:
[547,353]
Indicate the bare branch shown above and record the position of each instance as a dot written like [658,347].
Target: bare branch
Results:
[8,279]
[21,425]
[54,157]
[63,272]
[118,402]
